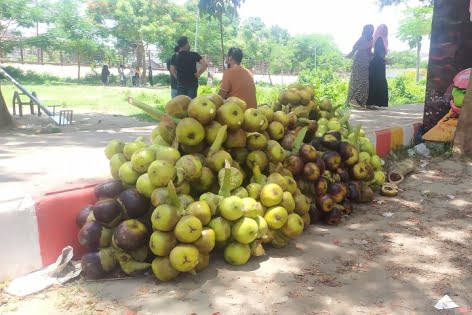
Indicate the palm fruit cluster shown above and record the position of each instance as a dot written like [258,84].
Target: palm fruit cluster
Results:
[209,177]
[336,164]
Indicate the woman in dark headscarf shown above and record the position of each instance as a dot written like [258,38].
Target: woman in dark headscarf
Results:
[378,86]
[105,75]
[361,54]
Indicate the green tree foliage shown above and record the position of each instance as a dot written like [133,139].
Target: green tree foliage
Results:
[209,37]
[218,9]
[413,27]
[74,31]
[137,23]
[405,59]
[387,3]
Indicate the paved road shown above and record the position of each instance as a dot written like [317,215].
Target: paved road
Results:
[36,164]
[372,120]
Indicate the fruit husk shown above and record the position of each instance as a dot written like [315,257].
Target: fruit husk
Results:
[229,178]
[133,204]
[85,214]
[367,194]
[294,164]
[188,167]
[333,217]
[128,264]
[109,189]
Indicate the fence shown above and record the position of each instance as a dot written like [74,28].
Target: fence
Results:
[54,57]
[63,58]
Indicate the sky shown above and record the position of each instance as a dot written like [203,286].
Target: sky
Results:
[343,19]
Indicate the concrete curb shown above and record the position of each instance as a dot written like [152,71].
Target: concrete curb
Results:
[389,139]
[38,231]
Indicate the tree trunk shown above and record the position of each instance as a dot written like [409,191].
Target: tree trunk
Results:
[62,58]
[463,137]
[220,20]
[269,74]
[5,116]
[418,55]
[78,60]
[78,66]
[141,61]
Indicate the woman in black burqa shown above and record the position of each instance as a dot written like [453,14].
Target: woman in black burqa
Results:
[378,86]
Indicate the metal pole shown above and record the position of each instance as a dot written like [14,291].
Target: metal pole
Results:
[18,85]
[196,29]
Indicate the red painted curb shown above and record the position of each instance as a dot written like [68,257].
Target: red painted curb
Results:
[56,214]
[383,142]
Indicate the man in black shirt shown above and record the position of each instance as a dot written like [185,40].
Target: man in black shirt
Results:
[173,81]
[184,68]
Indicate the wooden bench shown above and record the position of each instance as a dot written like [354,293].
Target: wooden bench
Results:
[18,102]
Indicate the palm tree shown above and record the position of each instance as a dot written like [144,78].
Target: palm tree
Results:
[216,9]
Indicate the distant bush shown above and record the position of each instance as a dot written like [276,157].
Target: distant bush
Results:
[327,84]
[402,90]
[405,90]
[266,94]
[207,89]
[161,79]
[31,77]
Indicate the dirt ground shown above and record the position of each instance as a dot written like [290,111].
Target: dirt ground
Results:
[372,263]
[35,158]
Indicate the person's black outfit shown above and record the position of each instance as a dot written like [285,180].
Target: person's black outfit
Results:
[173,81]
[378,86]
[186,64]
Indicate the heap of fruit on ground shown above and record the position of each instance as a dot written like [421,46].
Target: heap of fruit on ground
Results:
[216,176]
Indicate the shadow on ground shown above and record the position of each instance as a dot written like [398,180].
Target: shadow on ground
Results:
[369,264]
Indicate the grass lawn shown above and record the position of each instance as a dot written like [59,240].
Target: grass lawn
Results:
[110,99]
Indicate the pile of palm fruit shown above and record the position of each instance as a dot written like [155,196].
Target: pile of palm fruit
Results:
[216,175]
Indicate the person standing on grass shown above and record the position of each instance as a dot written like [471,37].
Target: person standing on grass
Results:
[105,75]
[173,81]
[237,80]
[151,82]
[137,75]
[121,73]
[359,81]
[378,85]
[184,68]
[131,75]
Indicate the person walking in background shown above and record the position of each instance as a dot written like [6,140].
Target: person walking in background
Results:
[132,76]
[184,68]
[151,82]
[121,74]
[210,79]
[137,76]
[359,82]
[105,75]
[173,81]
[237,80]
[378,85]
